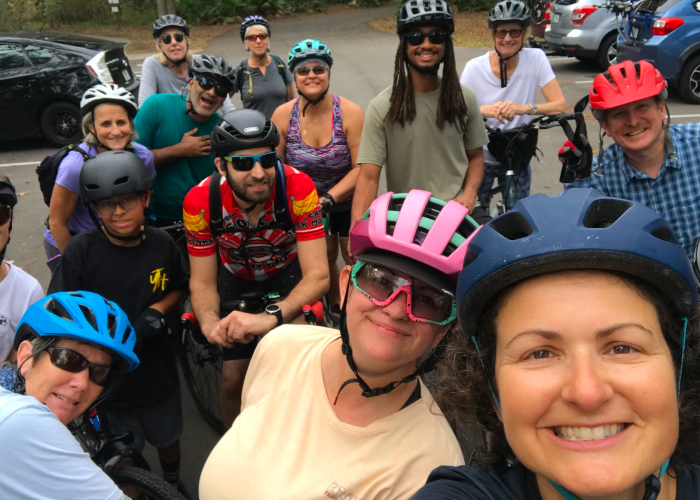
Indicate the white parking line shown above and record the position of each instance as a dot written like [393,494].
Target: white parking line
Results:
[19,164]
[585,81]
[686,116]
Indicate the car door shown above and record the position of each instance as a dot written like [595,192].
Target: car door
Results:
[17,92]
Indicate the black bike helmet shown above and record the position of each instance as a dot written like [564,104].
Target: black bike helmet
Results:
[8,194]
[113,173]
[170,21]
[510,11]
[416,13]
[243,129]
[214,66]
[252,21]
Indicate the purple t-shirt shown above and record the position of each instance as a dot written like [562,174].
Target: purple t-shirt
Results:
[68,176]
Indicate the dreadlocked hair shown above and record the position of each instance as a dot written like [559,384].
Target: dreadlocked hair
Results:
[452,107]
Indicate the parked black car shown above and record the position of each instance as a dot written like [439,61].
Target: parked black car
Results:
[43,76]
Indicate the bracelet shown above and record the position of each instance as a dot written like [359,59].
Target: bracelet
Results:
[328,195]
[534,108]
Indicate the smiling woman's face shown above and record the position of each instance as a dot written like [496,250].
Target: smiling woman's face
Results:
[586,382]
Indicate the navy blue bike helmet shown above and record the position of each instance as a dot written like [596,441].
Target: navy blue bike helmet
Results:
[581,229]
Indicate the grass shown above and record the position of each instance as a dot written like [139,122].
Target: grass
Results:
[471,28]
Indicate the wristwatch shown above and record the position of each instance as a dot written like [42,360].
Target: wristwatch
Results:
[274,310]
[534,108]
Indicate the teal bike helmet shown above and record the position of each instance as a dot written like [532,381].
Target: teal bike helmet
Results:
[309,49]
[82,316]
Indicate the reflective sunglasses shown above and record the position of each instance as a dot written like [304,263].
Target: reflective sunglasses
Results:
[107,207]
[436,37]
[501,34]
[5,214]
[246,163]
[166,39]
[74,362]
[424,303]
[317,70]
[261,36]
[208,84]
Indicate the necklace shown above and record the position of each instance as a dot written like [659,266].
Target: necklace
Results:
[306,130]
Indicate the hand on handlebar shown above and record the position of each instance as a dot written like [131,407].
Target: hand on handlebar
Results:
[241,327]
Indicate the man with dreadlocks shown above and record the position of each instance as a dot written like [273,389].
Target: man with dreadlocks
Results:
[427,130]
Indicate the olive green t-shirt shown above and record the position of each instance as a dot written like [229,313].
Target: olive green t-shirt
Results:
[419,155]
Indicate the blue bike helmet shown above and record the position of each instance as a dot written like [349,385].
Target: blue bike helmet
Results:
[581,229]
[83,316]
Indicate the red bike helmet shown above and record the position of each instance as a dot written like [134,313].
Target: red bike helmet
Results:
[624,83]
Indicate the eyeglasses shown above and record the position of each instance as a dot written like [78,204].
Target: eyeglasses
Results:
[501,34]
[74,362]
[107,207]
[436,37]
[208,84]
[246,163]
[5,214]
[424,303]
[261,36]
[166,39]
[317,70]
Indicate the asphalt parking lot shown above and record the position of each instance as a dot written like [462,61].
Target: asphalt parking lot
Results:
[363,67]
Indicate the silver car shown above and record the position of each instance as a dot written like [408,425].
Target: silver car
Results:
[584,30]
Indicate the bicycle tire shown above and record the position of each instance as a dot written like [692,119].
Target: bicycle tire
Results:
[201,367]
[148,484]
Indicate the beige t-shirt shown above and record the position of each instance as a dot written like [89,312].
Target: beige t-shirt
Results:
[419,155]
[288,442]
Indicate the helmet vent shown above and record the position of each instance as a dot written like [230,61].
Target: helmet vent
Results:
[76,294]
[664,233]
[56,308]
[512,225]
[89,316]
[127,334]
[91,187]
[121,180]
[111,325]
[604,213]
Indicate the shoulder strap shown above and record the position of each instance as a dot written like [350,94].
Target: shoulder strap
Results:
[216,223]
[281,202]
[239,75]
[281,67]
[75,148]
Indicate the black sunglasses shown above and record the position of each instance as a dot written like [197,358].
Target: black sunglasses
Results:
[166,39]
[436,37]
[261,36]
[246,163]
[317,70]
[5,214]
[208,84]
[501,34]
[74,362]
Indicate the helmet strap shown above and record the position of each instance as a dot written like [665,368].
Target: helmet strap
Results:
[668,141]
[502,66]
[127,239]
[367,391]
[20,383]
[601,151]
[9,230]
[315,101]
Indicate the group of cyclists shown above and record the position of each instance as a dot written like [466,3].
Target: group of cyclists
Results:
[564,333]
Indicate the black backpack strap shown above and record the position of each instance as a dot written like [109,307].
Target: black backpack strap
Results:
[281,203]
[73,147]
[240,77]
[216,223]
[282,69]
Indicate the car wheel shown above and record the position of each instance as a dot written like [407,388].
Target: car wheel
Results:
[689,84]
[607,53]
[61,124]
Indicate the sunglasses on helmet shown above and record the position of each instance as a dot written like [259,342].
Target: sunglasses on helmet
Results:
[166,39]
[5,214]
[246,163]
[424,303]
[317,70]
[436,37]
[74,362]
[208,84]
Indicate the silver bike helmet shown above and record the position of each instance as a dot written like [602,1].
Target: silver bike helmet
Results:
[416,13]
[214,66]
[108,94]
[510,11]
[170,21]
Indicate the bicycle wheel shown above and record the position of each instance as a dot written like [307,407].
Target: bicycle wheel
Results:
[201,366]
[144,485]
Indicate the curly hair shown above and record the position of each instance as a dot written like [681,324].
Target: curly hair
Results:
[452,108]
[466,376]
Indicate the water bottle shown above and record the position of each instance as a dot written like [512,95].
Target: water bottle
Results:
[511,197]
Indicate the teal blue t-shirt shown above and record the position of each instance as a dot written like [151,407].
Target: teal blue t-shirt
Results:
[161,122]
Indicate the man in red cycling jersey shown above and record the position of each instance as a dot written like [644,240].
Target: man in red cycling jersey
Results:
[265,220]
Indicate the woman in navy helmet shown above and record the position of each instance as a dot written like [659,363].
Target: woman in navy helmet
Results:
[578,357]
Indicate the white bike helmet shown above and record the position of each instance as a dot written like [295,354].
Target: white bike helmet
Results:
[103,94]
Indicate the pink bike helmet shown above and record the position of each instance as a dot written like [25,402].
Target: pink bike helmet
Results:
[417,234]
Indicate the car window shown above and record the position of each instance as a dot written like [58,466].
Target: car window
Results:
[39,55]
[666,6]
[12,56]
[657,6]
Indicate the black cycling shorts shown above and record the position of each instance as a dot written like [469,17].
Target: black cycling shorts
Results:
[340,222]
[231,287]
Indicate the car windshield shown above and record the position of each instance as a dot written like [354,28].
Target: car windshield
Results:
[657,6]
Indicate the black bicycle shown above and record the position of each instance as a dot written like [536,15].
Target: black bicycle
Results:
[108,451]
[514,149]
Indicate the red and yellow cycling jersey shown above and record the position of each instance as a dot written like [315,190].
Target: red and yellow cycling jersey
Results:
[268,249]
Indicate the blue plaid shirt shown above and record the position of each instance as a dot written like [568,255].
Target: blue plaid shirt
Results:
[675,193]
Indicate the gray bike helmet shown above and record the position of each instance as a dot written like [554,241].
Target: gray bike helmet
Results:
[416,13]
[108,94]
[510,11]
[214,66]
[113,173]
[243,129]
[170,21]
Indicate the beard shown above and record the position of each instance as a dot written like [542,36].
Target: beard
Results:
[199,111]
[241,190]
[424,70]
